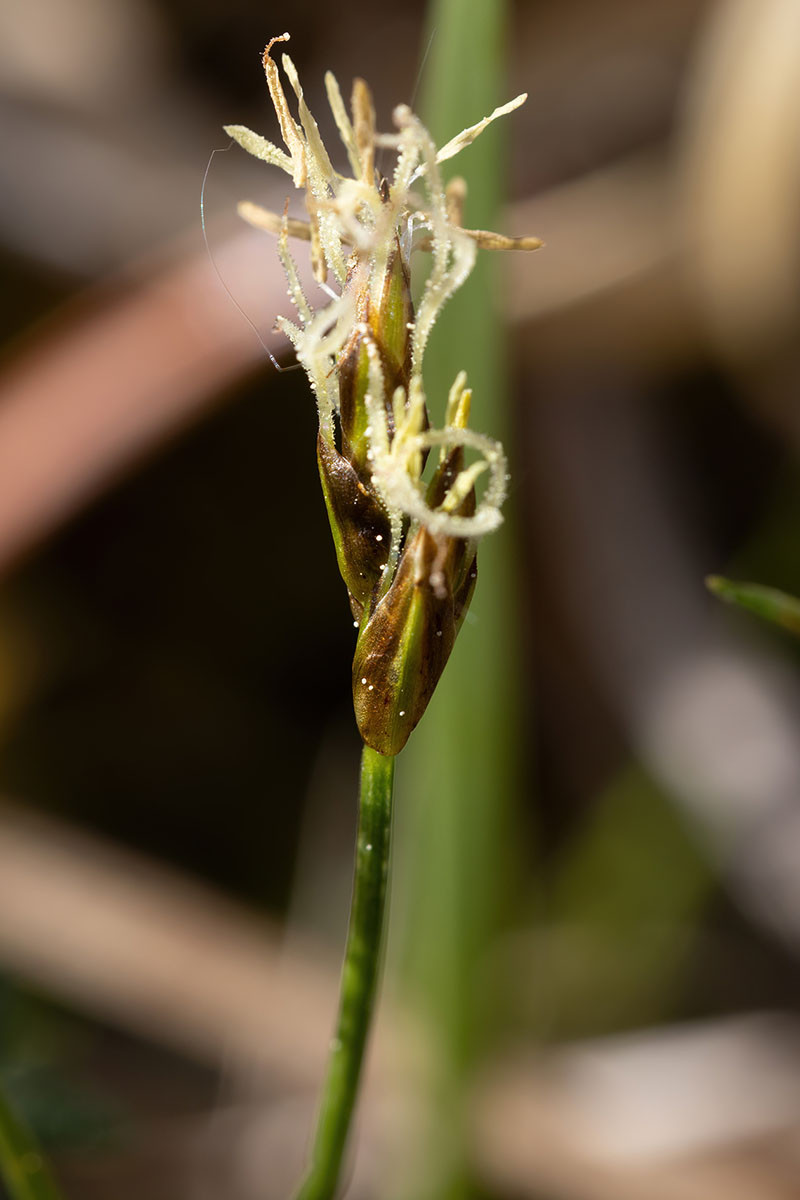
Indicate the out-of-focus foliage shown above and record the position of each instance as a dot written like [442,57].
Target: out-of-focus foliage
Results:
[770,603]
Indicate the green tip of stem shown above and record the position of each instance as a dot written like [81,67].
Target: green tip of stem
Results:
[769,603]
[718,585]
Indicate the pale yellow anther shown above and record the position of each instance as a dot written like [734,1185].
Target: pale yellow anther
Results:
[415,421]
[259,147]
[461,417]
[399,406]
[290,270]
[315,145]
[318,263]
[416,411]
[364,129]
[455,193]
[487,240]
[272,222]
[498,241]
[467,136]
[464,483]
[289,131]
[343,122]
[458,402]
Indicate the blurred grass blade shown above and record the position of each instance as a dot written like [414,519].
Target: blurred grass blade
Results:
[458,773]
[770,603]
[623,908]
[23,1169]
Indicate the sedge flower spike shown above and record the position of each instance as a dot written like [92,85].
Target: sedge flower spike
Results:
[406,548]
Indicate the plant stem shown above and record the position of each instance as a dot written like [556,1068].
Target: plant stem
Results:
[359,977]
[23,1169]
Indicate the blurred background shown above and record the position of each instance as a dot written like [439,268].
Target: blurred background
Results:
[592,968]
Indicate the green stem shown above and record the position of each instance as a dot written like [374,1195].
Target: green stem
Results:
[359,977]
[22,1166]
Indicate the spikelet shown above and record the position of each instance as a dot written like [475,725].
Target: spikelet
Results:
[406,549]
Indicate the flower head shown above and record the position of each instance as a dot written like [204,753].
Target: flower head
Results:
[406,547]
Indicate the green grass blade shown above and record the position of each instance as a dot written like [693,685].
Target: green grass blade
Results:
[769,603]
[458,774]
[22,1165]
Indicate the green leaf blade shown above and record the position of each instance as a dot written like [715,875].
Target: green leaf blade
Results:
[770,603]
